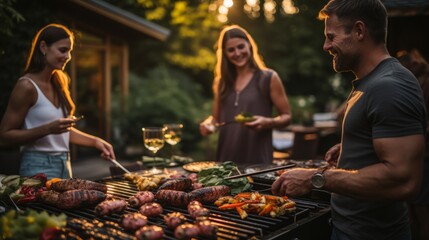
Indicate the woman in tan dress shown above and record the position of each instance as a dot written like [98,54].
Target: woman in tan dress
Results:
[244,84]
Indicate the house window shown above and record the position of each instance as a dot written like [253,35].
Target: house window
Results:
[99,76]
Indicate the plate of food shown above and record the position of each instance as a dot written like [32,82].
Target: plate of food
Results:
[198,166]
[244,117]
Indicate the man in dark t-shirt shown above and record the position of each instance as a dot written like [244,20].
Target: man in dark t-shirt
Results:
[379,160]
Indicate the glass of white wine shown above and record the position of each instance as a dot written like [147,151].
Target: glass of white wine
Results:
[153,139]
[173,134]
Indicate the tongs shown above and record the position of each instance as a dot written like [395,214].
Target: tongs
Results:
[290,165]
[119,165]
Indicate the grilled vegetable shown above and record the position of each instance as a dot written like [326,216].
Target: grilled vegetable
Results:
[254,202]
[28,225]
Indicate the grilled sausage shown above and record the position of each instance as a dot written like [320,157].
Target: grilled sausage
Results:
[207,229]
[133,221]
[76,183]
[72,199]
[179,184]
[50,197]
[172,197]
[141,198]
[151,209]
[174,219]
[150,233]
[186,231]
[209,194]
[108,207]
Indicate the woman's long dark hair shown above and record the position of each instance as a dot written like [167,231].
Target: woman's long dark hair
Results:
[225,72]
[36,62]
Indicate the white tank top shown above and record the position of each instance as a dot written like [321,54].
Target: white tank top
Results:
[43,112]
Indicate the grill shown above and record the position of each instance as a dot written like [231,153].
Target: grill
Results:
[310,219]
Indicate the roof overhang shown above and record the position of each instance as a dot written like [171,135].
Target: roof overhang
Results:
[109,15]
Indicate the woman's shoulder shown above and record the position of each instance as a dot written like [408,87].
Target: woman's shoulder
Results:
[25,87]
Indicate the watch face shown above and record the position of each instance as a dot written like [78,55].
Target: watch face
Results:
[318,180]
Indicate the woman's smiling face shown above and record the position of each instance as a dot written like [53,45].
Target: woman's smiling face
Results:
[238,51]
[59,54]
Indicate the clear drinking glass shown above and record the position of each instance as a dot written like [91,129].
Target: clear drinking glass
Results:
[153,140]
[173,134]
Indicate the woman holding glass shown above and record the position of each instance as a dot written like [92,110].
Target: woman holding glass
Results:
[244,84]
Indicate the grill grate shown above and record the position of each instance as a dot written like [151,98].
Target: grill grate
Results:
[230,225]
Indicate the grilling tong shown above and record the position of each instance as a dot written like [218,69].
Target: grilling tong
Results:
[290,165]
[119,165]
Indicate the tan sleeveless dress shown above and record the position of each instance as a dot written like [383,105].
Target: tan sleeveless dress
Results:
[236,142]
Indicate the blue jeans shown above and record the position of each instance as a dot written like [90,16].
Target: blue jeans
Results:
[54,165]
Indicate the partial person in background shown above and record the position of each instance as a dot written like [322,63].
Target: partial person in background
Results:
[244,84]
[380,157]
[39,115]
[419,208]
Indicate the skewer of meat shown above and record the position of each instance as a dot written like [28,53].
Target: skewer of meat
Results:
[72,198]
[151,232]
[186,231]
[179,184]
[172,197]
[76,183]
[174,219]
[151,209]
[141,198]
[108,207]
[209,194]
[133,221]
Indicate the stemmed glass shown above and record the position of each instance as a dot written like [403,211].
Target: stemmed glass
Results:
[153,139]
[173,134]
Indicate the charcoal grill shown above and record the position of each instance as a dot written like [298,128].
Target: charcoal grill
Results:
[309,221]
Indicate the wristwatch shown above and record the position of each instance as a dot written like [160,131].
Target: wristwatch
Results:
[318,179]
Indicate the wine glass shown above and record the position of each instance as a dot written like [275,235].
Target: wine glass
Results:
[153,139]
[173,135]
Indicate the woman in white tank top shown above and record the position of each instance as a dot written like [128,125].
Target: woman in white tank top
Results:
[39,115]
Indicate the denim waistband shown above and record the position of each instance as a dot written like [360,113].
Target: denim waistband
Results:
[46,153]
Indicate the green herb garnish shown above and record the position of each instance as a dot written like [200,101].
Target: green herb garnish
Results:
[215,176]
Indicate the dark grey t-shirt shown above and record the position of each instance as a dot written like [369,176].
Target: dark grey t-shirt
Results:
[386,103]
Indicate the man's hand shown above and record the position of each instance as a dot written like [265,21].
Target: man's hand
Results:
[333,154]
[293,182]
